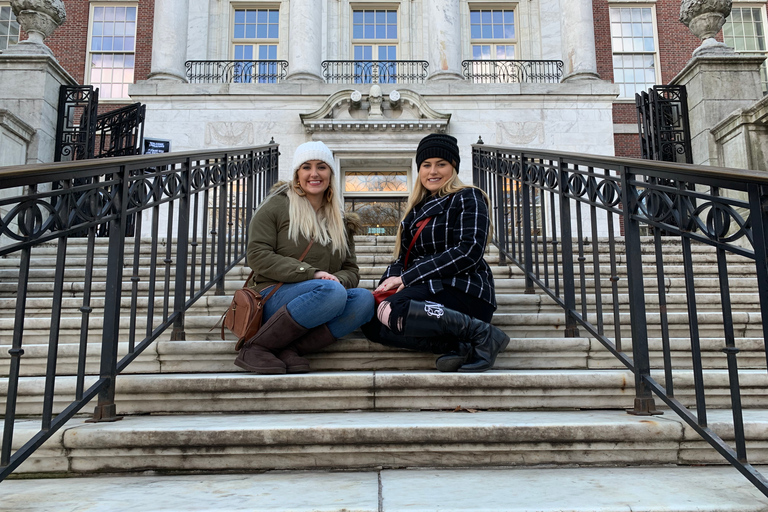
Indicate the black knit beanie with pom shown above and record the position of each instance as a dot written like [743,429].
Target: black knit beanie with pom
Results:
[438,145]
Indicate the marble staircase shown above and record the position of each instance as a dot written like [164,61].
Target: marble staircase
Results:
[554,406]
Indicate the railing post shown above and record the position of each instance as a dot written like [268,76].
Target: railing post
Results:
[566,240]
[105,409]
[182,248]
[758,205]
[527,235]
[644,402]
[501,211]
[221,243]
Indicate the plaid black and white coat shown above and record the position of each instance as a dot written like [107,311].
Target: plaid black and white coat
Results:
[449,251]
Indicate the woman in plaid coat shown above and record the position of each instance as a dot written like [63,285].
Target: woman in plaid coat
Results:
[445,294]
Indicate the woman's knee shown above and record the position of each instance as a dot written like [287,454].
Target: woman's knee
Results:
[332,295]
[362,303]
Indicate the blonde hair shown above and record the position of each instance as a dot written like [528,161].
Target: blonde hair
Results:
[324,227]
[452,185]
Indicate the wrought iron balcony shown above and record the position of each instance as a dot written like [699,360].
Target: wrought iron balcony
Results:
[513,71]
[236,71]
[382,71]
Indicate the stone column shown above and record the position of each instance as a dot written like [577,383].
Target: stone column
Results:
[578,34]
[304,41]
[444,43]
[169,40]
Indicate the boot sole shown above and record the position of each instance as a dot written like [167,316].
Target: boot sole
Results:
[479,369]
[270,370]
[297,369]
[450,364]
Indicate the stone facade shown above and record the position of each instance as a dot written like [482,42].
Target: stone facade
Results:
[549,116]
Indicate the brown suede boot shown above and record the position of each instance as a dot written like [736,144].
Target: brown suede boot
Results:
[257,353]
[314,340]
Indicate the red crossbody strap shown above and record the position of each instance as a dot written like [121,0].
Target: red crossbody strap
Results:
[422,224]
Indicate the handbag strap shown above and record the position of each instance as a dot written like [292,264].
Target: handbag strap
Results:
[421,225]
[306,251]
[245,285]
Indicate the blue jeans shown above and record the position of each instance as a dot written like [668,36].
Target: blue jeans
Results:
[320,301]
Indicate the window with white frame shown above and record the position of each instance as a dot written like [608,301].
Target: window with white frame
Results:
[374,38]
[492,34]
[111,49]
[9,27]
[255,37]
[633,39]
[744,31]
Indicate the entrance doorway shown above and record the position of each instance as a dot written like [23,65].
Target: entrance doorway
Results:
[377,190]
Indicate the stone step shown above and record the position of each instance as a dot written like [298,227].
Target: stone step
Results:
[544,324]
[670,244]
[524,489]
[386,390]
[355,353]
[506,280]
[210,305]
[372,440]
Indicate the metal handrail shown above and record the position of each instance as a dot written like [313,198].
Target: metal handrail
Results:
[552,210]
[512,71]
[199,202]
[381,71]
[236,71]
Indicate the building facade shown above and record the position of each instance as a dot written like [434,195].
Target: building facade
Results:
[371,78]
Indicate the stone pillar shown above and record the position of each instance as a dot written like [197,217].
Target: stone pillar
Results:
[169,40]
[578,35]
[444,22]
[29,88]
[716,86]
[30,79]
[304,41]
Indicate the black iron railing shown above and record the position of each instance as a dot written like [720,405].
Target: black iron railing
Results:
[192,210]
[120,132]
[553,212]
[512,71]
[76,125]
[82,134]
[236,71]
[382,72]
[662,120]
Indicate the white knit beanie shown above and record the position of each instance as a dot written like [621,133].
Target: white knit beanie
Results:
[313,150]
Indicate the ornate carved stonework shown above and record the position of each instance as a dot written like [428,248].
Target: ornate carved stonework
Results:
[350,110]
[39,18]
[229,134]
[705,18]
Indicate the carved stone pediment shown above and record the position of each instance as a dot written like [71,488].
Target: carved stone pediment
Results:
[351,110]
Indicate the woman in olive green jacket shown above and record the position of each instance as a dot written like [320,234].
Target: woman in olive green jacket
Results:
[319,301]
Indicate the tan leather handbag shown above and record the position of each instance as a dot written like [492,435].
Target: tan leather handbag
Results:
[244,316]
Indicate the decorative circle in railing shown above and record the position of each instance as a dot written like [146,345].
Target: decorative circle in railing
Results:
[93,205]
[609,193]
[719,218]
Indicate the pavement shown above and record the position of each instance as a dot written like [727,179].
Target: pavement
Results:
[576,489]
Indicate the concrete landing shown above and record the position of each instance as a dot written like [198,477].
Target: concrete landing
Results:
[701,489]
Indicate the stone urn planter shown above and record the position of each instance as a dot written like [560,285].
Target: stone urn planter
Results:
[705,18]
[39,18]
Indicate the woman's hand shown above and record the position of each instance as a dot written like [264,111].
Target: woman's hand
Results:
[325,275]
[389,283]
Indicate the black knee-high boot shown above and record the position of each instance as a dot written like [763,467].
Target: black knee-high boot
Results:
[485,340]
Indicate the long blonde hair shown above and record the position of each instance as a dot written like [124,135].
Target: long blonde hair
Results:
[454,184]
[324,227]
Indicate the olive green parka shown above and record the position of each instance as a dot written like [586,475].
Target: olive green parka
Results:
[274,257]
